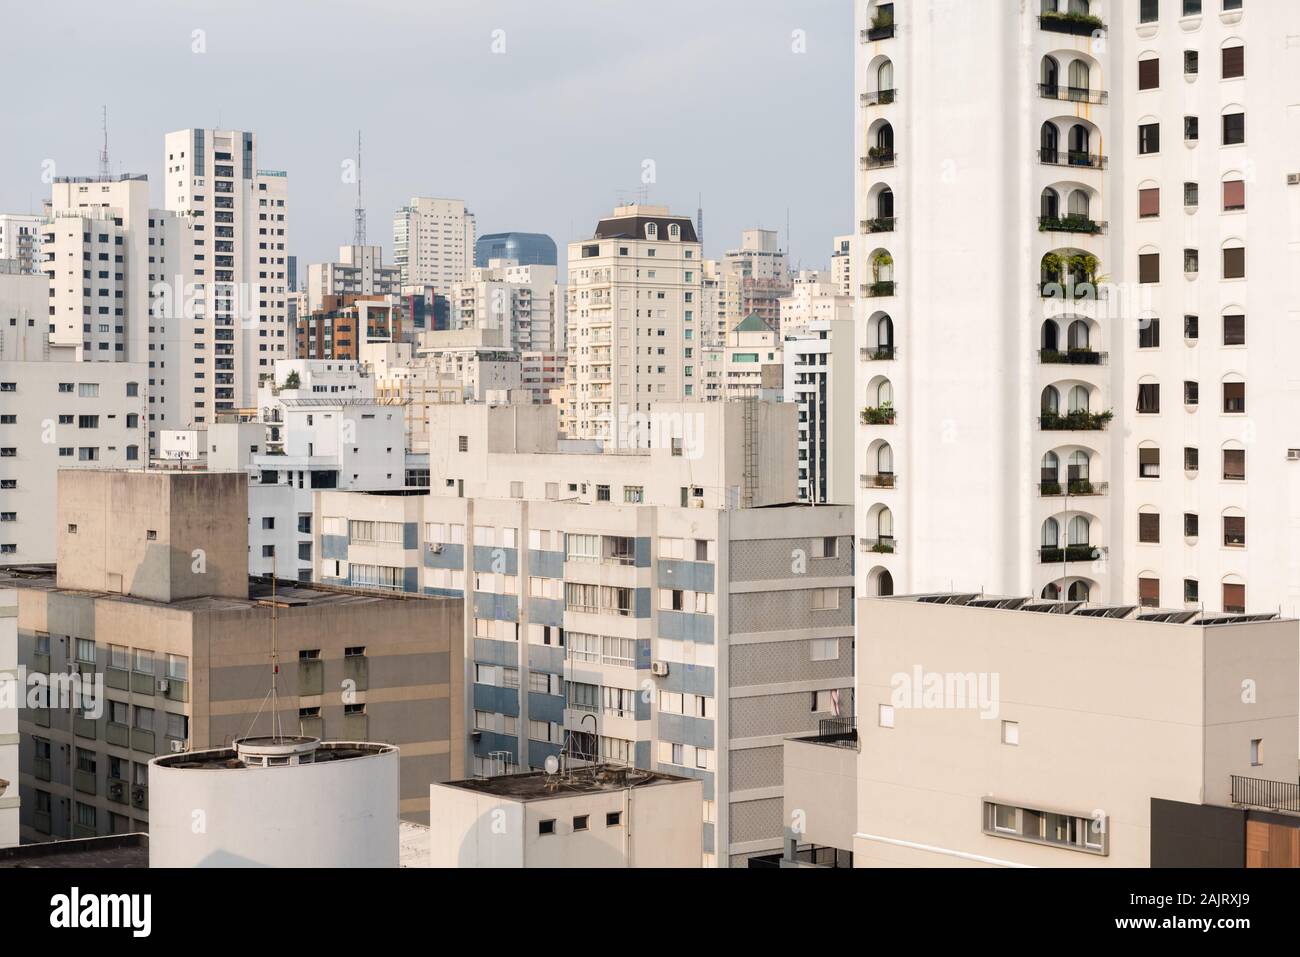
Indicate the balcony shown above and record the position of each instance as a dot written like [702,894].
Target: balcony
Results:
[116,791]
[1080,421]
[878,97]
[1070,224]
[875,290]
[1074,24]
[877,353]
[1054,555]
[1076,158]
[882,28]
[878,415]
[1072,357]
[41,768]
[879,157]
[140,796]
[879,480]
[1083,289]
[1074,487]
[84,781]
[881,224]
[1072,94]
[878,546]
[1274,795]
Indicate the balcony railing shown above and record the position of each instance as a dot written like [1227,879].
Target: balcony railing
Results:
[1054,555]
[1074,487]
[1075,24]
[1071,158]
[1274,795]
[881,224]
[879,480]
[875,290]
[1070,224]
[1075,421]
[878,158]
[878,353]
[880,29]
[879,546]
[878,415]
[835,732]
[878,97]
[1073,94]
[1082,289]
[1072,357]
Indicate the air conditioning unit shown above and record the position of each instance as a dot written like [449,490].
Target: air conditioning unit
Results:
[163,685]
[435,548]
[659,668]
[1293,179]
[116,789]
[178,746]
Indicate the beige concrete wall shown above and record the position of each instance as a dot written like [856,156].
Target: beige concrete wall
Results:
[199,526]
[821,801]
[1110,714]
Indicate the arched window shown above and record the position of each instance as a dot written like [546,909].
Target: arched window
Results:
[1079,79]
[1050,204]
[1052,591]
[1051,533]
[885,460]
[1079,591]
[884,583]
[1079,466]
[1079,140]
[674,231]
[885,525]
[1051,75]
[885,394]
[885,204]
[1079,334]
[1079,399]
[1080,531]
[1051,469]
[1051,402]
[651,230]
[1080,205]
[885,139]
[1049,141]
[885,76]
[885,333]
[1051,337]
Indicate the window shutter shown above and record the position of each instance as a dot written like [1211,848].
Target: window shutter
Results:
[1149,592]
[1149,527]
[1234,194]
[1149,202]
[1149,74]
[1234,62]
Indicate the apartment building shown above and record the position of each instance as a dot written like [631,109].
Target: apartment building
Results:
[236,266]
[10,795]
[525,249]
[722,302]
[433,241]
[343,325]
[591,577]
[817,378]
[763,269]
[541,374]
[524,302]
[151,597]
[481,360]
[842,266]
[1093,452]
[359,271]
[20,240]
[1185,754]
[55,412]
[634,300]
[816,296]
[748,366]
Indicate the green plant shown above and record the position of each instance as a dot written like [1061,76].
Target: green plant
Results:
[291,381]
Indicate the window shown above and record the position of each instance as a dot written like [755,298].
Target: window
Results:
[1234,465]
[1191,62]
[1191,8]
[1191,327]
[1234,129]
[825,599]
[1149,592]
[1234,398]
[1191,525]
[1149,202]
[1149,528]
[1191,591]
[824,649]
[1149,463]
[1234,599]
[1256,752]
[1072,831]
[1148,139]
[1191,195]
[580,822]
[633,494]
[1234,263]
[1234,195]
[1234,531]
[822,702]
[613,818]
[1191,261]
[1191,128]
[1011,733]
[546,827]
[885,716]
[1149,267]
[1148,73]
[85,650]
[1234,330]
[1149,398]
[1234,62]
[1191,392]
[602,493]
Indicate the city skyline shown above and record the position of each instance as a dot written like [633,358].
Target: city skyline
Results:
[580,112]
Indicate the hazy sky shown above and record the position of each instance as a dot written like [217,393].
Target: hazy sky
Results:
[545,136]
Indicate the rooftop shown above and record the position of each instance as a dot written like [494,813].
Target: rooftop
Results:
[540,786]
[1081,609]
[118,850]
[267,751]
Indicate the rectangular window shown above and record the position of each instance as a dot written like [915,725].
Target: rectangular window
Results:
[1191,392]
[1234,263]
[1191,525]
[1234,129]
[1149,73]
[1148,463]
[1149,202]
[1149,138]
[1149,592]
[1191,591]
[1234,62]
[1234,531]
[1149,268]
[1234,465]
[1191,195]
[1191,327]
[1149,528]
[1191,62]
[1191,459]
[1234,195]
[1191,128]
[1234,599]
[1078,832]
[1234,398]
[1149,398]
[1191,261]
[1234,330]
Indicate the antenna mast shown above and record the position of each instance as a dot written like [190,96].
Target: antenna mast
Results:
[105,172]
[359,227]
[277,729]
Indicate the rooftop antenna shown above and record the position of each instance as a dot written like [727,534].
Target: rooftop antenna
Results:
[105,169]
[699,220]
[359,228]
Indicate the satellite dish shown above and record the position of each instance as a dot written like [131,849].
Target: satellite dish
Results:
[551,764]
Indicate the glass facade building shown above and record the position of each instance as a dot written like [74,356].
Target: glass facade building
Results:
[527,249]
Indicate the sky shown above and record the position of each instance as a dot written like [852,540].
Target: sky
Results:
[540,114]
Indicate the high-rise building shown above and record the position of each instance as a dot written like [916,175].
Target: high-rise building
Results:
[634,318]
[814,297]
[433,241]
[223,346]
[819,364]
[20,239]
[842,266]
[526,249]
[524,302]
[763,269]
[359,271]
[1072,415]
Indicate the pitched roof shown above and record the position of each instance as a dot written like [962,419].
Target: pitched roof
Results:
[752,323]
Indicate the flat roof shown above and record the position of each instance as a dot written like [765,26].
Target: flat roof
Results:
[227,759]
[288,594]
[1082,609]
[118,850]
[540,786]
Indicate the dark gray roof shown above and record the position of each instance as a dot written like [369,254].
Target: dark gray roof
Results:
[633,227]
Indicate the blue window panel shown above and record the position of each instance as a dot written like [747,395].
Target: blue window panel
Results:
[546,707]
[690,576]
[448,556]
[548,659]
[410,535]
[503,561]
[489,651]
[686,626]
[539,751]
[498,700]
[546,611]
[334,547]
[545,564]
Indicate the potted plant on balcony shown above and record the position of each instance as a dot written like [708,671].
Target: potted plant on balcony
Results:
[879,415]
